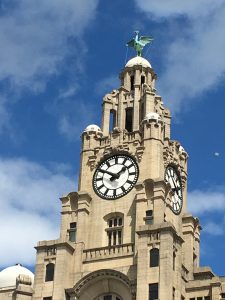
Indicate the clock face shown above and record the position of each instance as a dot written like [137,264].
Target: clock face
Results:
[115,176]
[172,177]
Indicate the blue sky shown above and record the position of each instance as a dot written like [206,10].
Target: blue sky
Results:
[57,60]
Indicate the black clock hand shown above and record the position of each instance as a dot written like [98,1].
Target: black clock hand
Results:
[118,174]
[114,175]
[175,188]
[121,171]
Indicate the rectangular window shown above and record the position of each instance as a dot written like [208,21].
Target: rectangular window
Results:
[153,291]
[72,232]
[192,298]
[109,297]
[47,298]
[149,217]
[199,298]
[132,83]
[129,119]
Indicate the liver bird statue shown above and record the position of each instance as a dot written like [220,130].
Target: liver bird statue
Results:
[138,43]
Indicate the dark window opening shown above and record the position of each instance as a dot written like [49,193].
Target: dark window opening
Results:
[173,293]
[73,232]
[154,257]
[132,83]
[149,217]
[47,298]
[112,123]
[142,80]
[129,119]
[208,297]
[199,298]
[153,291]
[49,274]
[149,213]
[108,297]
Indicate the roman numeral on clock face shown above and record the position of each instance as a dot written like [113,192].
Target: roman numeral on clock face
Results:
[115,176]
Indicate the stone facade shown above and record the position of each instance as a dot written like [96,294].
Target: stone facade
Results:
[135,246]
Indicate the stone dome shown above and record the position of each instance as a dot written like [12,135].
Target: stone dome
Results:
[8,275]
[93,127]
[153,116]
[138,60]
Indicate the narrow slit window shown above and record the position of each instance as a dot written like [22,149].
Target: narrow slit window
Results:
[129,119]
[73,232]
[132,82]
[112,120]
[142,80]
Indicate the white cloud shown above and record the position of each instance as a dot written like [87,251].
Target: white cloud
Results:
[34,37]
[191,8]
[201,202]
[214,229]
[30,206]
[194,61]
[107,84]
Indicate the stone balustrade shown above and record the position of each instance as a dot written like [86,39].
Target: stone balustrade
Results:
[108,252]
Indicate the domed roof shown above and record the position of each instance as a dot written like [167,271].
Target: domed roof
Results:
[138,60]
[8,275]
[93,127]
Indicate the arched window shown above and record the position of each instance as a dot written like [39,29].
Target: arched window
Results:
[115,231]
[154,257]
[49,274]
[112,123]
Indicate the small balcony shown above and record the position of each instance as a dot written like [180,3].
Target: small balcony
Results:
[109,252]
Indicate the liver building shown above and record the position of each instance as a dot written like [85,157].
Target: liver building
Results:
[126,233]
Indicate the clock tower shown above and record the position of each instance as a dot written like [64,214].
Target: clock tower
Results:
[126,234]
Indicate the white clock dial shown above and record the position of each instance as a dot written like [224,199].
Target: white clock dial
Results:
[172,177]
[115,176]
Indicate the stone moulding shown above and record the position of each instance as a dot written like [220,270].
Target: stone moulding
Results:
[82,284]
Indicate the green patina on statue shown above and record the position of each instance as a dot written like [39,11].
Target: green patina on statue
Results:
[138,43]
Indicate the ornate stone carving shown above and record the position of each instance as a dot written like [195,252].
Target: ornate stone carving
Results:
[92,161]
[109,97]
[174,154]
[139,152]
